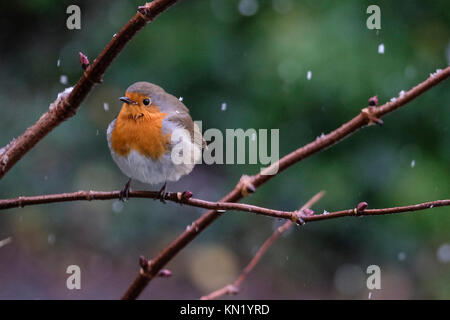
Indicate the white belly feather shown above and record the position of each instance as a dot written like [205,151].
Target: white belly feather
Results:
[146,170]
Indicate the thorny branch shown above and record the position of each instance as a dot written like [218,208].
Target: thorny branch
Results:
[368,115]
[298,216]
[178,197]
[360,210]
[67,106]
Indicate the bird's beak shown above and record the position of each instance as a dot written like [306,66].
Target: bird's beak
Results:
[127,100]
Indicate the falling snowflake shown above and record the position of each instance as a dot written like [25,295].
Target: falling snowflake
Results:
[63,79]
[224,106]
[248,7]
[443,253]
[117,206]
[381,48]
[106,106]
[413,163]
[309,75]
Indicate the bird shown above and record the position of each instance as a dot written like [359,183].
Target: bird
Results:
[153,139]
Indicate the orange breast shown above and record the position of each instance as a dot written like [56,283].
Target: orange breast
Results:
[141,132]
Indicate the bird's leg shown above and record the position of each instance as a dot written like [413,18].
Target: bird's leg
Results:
[125,192]
[162,193]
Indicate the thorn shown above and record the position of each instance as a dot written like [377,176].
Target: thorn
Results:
[84,61]
[186,195]
[373,102]
[144,11]
[297,218]
[143,263]
[369,114]
[251,188]
[361,207]
[308,212]
[246,185]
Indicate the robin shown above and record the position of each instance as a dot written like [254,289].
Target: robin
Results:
[150,135]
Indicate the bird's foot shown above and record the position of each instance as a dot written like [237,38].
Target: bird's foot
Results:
[162,193]
[125,192]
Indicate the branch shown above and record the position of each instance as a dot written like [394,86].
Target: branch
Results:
[361,210]
[235,287]
[367,116]
[65,107]
[178,197]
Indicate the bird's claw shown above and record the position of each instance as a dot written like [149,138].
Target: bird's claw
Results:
[125,192]
[162,193]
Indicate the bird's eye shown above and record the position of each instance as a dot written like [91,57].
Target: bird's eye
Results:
[146,101]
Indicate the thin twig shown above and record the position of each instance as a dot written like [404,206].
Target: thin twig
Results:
[67,107]
[178,197]
[235,287]
[186,198]
[377,212]
[367,116]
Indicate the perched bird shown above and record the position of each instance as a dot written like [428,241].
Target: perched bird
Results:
[153,139]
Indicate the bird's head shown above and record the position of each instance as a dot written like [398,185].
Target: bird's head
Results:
[142,98]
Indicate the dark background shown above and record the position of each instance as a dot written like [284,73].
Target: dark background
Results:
[211,52]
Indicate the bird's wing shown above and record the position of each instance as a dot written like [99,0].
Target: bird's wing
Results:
[184,120]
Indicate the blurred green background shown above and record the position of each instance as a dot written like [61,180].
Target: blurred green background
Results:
[254,56]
